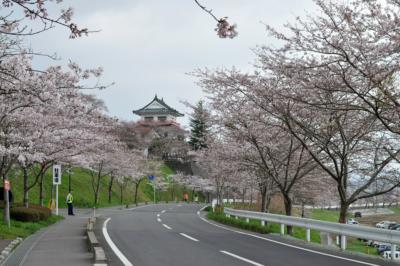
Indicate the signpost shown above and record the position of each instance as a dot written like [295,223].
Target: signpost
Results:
[7,188]
[7,185]
[56,181]
[152,178]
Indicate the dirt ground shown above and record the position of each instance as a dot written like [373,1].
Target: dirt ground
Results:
[374,219]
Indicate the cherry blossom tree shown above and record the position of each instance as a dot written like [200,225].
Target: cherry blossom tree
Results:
[224,29]
[18,16]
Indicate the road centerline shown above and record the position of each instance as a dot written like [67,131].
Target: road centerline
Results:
[241,258]
[159,220]
[166,226]
[189,237]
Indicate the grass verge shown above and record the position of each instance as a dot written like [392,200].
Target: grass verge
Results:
[24,229]
[353,244]
[239,223]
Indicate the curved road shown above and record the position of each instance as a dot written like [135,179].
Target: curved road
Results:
[175,234]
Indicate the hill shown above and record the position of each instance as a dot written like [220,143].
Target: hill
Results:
[81,184]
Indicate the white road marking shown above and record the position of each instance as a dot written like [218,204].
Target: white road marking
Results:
[241,258]
[289,245]
[158,215]
[163,211]
[166,226]
[117,252]
[179,205]
[159,220]
[189,237]
[198,212]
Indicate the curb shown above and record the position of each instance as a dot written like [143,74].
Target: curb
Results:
[8,250]
[99,256]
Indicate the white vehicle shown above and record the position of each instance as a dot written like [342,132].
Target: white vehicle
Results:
[384,224]
[351,221]
[388,255]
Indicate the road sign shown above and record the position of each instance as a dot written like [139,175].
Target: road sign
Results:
[57,174]
[57,181]
[152,177]
[7,185]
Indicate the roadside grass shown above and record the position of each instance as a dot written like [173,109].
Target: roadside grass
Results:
[325,215]
[396,210]
[24,229]
[254,226]
[353,244]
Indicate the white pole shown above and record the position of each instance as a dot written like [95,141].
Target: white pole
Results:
[343,242]
[393,251]
[308,234]
[56,199]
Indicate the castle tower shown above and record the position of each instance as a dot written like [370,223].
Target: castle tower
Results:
[157,112]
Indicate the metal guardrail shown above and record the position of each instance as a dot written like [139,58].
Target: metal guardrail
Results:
[343,230]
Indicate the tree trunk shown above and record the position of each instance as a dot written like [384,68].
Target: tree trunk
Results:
[122,193]
[110,185]
[41,189]
[136,191]
[26,187]
[263,193]
[344,207]
[251,196]
[288,210]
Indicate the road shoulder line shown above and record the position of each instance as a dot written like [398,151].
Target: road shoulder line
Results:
[115,249]
[289,245]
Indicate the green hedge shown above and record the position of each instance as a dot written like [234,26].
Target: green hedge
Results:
[32,214]
[251,226]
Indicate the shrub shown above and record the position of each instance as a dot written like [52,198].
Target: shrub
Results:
[219,209]
[34,213]
[208,209]
[44,212]
[252,226]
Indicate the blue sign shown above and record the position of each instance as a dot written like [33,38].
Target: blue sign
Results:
[152,177]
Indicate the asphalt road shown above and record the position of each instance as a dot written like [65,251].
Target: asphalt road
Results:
[175,234]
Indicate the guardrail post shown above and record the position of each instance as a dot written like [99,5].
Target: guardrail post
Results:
[227,215]
[236,217]
[282,229]
[343,242]
[393,251]
[247,220]
[308,234]
[262,223]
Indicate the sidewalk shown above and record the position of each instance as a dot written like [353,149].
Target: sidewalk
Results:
[61,244]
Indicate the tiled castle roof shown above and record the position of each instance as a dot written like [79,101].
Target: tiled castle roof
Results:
[166,109]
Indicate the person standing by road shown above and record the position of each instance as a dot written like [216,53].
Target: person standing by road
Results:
[70,200]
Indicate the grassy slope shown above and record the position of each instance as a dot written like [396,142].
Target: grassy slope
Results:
[82,190]
[83,197]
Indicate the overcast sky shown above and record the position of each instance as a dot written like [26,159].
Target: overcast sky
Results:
[147,47]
